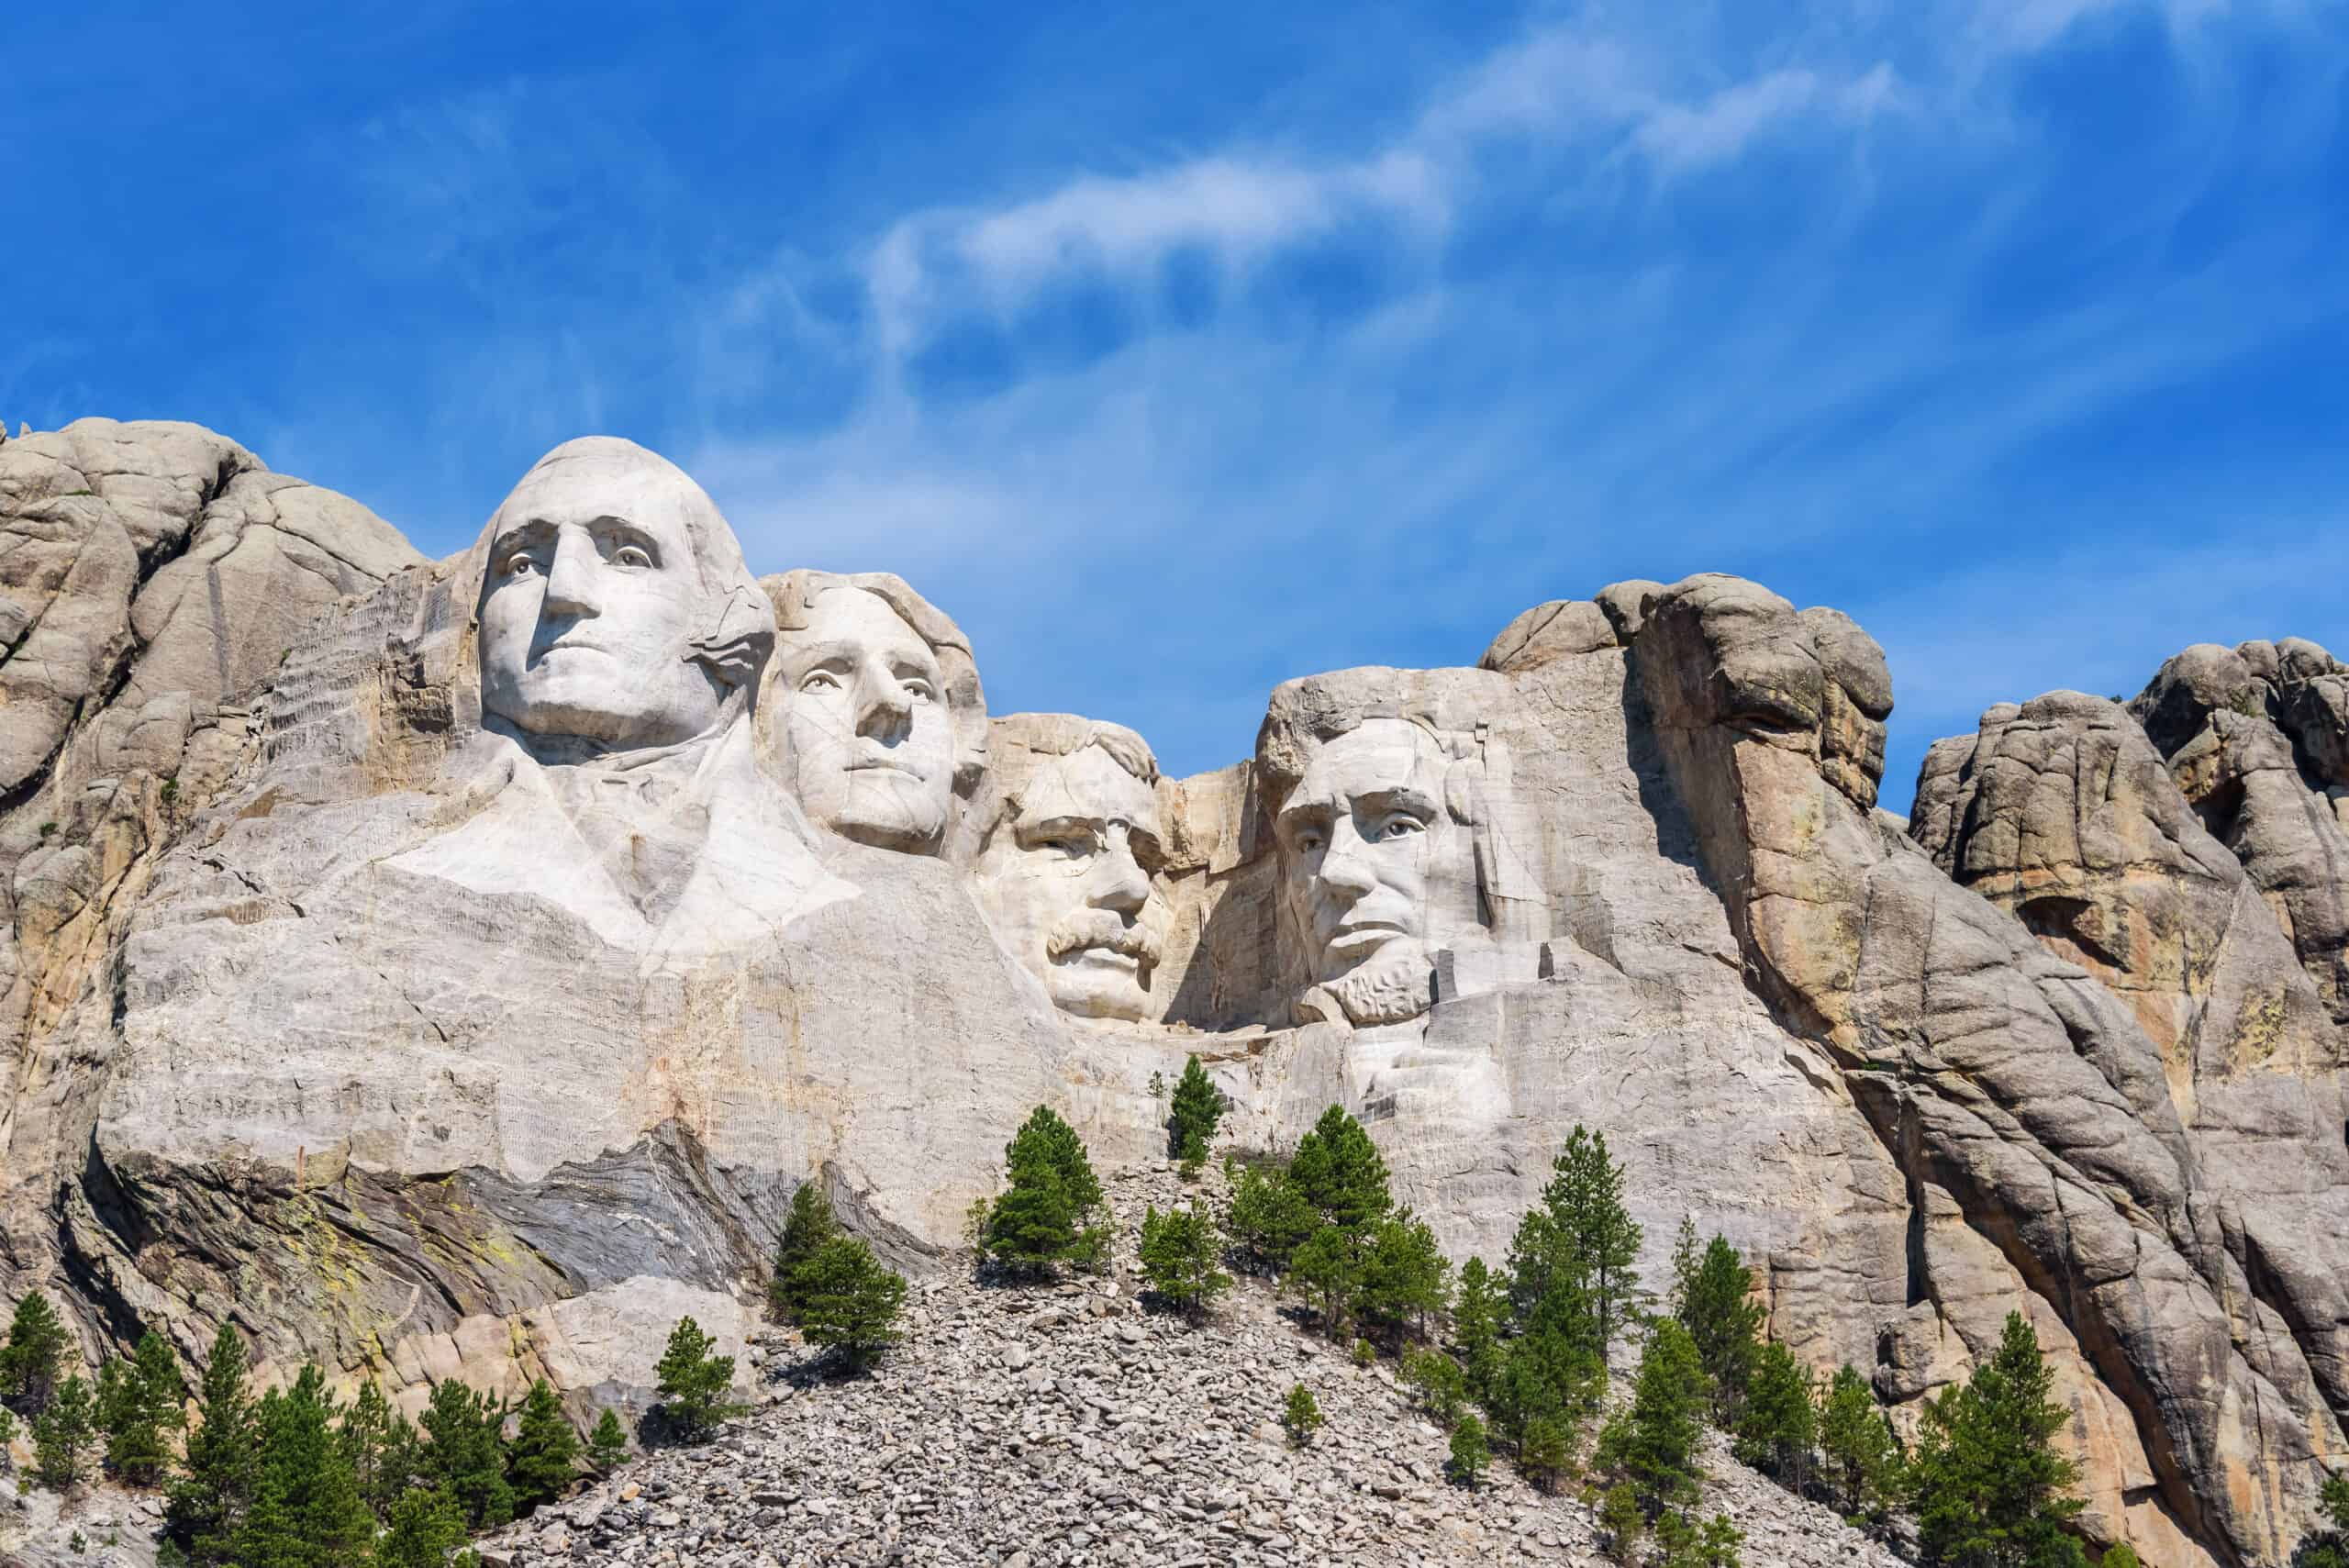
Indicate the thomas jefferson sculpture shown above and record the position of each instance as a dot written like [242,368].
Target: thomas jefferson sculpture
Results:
[883,722]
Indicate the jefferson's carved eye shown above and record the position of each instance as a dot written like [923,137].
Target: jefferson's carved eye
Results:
[632,555]
[819,680]
[1400,826]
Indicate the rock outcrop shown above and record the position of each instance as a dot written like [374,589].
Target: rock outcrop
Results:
[452,968]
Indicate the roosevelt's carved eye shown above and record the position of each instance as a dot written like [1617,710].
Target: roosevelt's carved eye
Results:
[1308,839]
[1401,826]
[1071,844]
[633,556]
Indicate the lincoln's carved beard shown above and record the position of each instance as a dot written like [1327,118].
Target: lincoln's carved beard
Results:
[1393,986]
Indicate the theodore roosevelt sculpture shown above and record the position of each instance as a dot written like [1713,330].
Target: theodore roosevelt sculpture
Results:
[883,722]
[1065,873]
[621,639]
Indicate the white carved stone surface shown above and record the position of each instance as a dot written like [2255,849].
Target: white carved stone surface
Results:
[519,930]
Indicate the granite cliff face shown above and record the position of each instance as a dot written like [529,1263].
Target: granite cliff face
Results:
[454,967]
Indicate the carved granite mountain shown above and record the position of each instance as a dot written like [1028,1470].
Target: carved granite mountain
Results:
[493,968]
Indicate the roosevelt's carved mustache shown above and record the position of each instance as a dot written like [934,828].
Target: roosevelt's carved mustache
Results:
[1101,929]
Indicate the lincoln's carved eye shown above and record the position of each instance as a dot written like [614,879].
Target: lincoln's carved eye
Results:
[918,690]
[632,555]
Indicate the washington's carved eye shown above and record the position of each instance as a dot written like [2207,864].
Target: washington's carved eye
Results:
[521,563]
[631,555]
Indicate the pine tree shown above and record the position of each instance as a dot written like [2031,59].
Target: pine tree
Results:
[543,1458]
[1991,1487]
[1861,1455]
[1552,1372]
[694,1381]
[1045,1217]
[1620,1518]
[1687,1250]
[849,1303]
[461,1454]
[36,1350]
[1442,1387]
[1582,1238]
[63,1433]
[1270,1218]
[421,1528]
[1725,1324]
[2121,1554]
[809,1226]
[378,1444]
[1179,1252]
[306,1511]
[138,1402]
[607,1444]
[1338,1172]
[1326,1272]
[2327,1547]
[221,1465]
[1471,1456]
[1406,1278]
[1779,1427]
[1546,1451]
[1476,1314]
[1653,1440]
[1681,1542]
[7,1435]
[1191,1122]
[1301,1414]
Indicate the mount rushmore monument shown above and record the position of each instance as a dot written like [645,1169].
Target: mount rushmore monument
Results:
[452,968]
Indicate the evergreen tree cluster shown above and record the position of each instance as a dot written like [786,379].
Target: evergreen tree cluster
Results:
[841,1297]
[1328,1225]
[1050,1215]
[294,1477]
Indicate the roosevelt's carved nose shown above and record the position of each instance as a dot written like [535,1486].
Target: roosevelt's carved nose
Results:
[1118,882]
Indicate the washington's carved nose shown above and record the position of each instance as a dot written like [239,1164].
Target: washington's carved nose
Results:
[570,580]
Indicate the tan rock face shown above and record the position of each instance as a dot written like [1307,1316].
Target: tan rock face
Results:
[519,930]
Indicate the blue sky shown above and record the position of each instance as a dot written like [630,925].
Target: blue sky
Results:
[1178,349]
